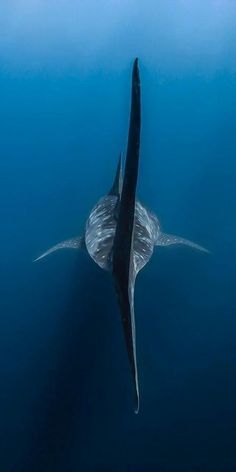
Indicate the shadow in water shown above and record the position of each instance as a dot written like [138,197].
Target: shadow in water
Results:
[68,395]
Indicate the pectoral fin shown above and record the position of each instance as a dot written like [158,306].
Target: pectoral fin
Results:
[74,243]
[165,239]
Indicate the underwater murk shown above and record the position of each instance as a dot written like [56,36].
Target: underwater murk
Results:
[115,165]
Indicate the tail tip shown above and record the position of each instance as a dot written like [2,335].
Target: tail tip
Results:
[137,403]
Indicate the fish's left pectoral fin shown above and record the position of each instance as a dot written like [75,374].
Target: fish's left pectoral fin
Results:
[73,243]
[165,239]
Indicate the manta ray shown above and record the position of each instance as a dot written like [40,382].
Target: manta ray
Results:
[121,233]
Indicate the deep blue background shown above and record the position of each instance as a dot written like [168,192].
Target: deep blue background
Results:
[66,394]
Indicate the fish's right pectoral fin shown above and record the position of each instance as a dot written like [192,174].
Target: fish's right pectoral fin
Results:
[165,239]
[73,243]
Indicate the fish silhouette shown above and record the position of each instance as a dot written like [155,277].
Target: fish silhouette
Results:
[121,233]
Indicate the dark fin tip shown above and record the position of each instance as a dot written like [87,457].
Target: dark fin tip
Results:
[135,66]
[117,183]
[136,78]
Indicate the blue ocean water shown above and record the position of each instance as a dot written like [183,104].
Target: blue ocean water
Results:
[66,392]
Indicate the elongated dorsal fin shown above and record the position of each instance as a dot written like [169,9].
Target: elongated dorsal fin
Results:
[118,180]
[122,259]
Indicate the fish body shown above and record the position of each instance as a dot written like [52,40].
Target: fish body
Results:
[121,233]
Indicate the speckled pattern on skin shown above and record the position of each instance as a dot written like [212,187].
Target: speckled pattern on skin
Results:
[101,227]
[100,231]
